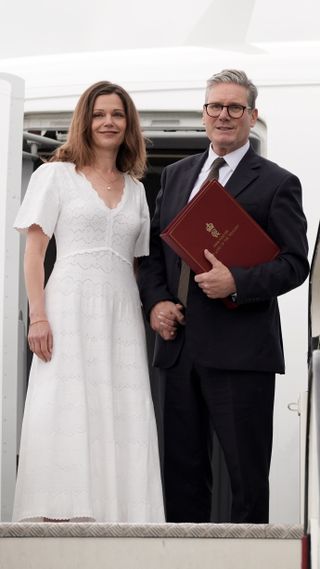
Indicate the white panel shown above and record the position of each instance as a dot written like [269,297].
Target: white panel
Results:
[148,553]
[314,462]
[11,123]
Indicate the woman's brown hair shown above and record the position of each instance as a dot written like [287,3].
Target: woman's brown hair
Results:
[78,149]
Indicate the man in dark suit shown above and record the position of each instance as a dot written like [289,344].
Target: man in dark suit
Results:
[220,364]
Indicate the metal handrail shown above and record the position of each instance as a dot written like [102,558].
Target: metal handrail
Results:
[41,139]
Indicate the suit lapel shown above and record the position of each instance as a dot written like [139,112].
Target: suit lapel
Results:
[246,172]
[188,178]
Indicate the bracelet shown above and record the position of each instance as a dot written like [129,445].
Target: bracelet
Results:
[37,322]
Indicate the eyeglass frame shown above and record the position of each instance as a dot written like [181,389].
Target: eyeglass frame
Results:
[244,107]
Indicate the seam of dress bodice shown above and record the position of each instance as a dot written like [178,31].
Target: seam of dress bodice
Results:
[91,250]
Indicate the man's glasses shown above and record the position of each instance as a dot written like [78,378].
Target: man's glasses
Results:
[234,111]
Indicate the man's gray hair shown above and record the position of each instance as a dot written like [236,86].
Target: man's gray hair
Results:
[237,77]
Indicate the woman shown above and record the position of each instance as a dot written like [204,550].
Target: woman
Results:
[89,447]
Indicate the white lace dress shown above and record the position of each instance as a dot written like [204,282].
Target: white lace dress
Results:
[89,447]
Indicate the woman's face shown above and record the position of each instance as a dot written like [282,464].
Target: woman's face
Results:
[109,122]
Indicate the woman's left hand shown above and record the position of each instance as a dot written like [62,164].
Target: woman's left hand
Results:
[41,340]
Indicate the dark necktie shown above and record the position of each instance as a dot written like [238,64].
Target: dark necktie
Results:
[183,285]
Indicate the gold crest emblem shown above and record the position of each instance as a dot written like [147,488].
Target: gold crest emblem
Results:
[213,230]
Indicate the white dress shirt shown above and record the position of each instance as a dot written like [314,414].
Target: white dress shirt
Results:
[232,160]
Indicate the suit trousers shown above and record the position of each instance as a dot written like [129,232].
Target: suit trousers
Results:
[238,406]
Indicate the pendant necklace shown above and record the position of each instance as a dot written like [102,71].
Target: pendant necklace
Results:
[109,184]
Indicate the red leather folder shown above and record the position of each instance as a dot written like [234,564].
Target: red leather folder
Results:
[214,220]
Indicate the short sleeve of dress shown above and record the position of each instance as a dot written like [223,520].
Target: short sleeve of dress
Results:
[142,243]
[41,204]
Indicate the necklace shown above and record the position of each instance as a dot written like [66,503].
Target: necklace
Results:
[109,183]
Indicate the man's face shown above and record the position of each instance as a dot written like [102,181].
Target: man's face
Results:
[226,133]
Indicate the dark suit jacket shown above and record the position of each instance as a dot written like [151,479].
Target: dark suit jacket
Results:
[249,337]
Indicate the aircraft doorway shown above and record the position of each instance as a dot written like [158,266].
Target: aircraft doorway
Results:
[164,148]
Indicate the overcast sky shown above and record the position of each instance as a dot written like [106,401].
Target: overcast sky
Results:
[43,27]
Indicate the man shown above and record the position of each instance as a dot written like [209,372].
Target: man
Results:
[220,364]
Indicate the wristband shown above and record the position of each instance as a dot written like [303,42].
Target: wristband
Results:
[37,322]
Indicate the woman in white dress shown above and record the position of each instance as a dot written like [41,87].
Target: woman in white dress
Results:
[89,449]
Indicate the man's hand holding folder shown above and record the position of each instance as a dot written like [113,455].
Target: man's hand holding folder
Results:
[214,221]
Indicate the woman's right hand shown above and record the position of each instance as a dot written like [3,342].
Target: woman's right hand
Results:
[165,316]
[40,339]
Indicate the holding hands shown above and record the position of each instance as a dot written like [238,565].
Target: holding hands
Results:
[165,317]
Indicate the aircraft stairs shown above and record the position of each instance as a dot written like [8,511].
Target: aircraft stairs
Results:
[150,546]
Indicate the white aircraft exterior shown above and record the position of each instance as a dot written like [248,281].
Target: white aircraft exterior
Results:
[167,85]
